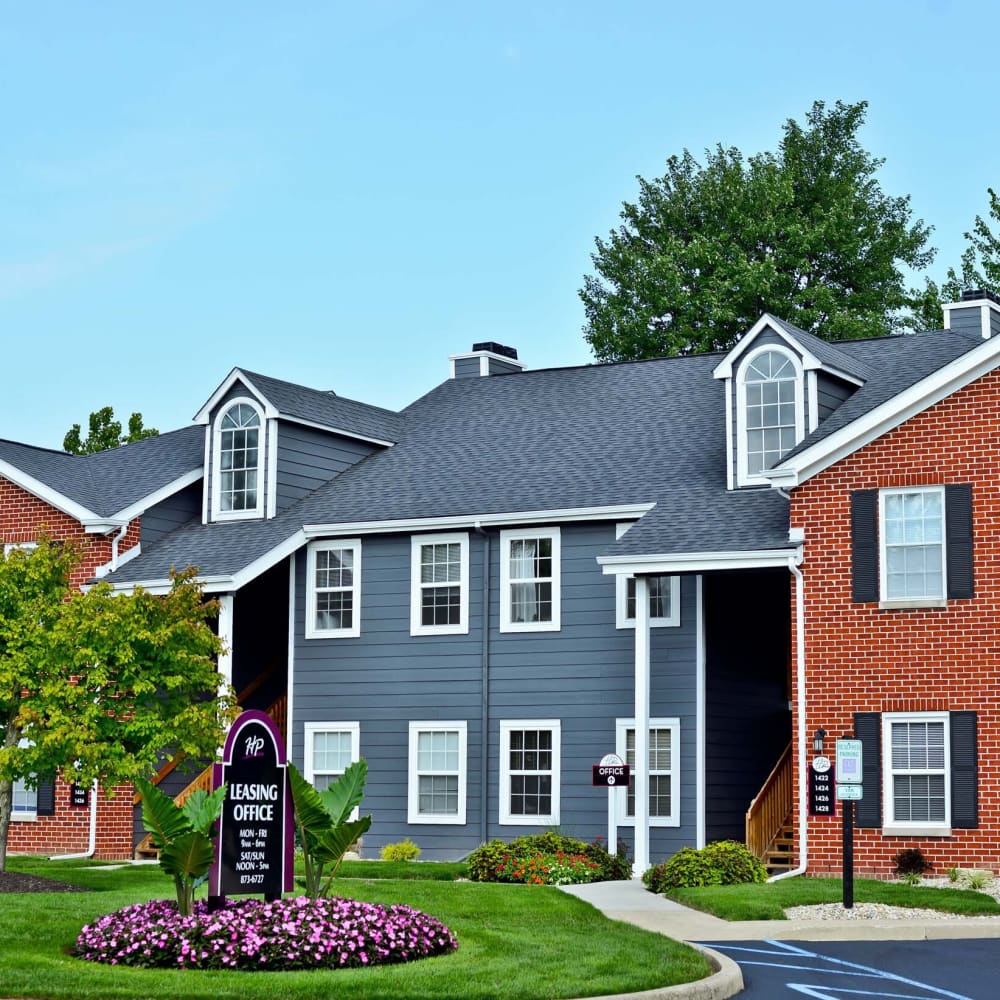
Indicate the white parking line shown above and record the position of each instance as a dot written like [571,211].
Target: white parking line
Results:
[782,949]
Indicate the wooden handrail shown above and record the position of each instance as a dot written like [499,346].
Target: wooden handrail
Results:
[771,806]
[241,698]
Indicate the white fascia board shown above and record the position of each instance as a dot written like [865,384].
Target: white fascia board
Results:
[692,562]
[724,369]
[158,496]
[202,416]
[210,585]
[330,429]
[466,521]
[953,376]
[51,496]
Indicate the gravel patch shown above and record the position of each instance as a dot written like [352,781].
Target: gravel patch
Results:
[882,911]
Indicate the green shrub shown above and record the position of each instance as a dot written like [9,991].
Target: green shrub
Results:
[734,862]
[687,869]
[911,860]
[405,850]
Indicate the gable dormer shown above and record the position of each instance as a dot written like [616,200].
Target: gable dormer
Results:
[240,446]
[781,382]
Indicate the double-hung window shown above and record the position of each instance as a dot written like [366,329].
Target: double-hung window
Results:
[530,580]
[437,772]
[439,589]
[333,589]
[916,771]
[913,544]
[237,476]
[330,748]
[25,802]
[664,597]
[529,772]
[664,756]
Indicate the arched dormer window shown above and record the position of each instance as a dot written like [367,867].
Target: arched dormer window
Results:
[238,479]
[769,411]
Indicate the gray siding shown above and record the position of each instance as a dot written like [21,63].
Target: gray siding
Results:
[994,323]
[498,367]
[308,457]
[467,368]
[170,514]
[830,393]
[581,675]
[968,320]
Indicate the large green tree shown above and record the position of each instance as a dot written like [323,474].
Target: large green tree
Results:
[96,685]
[105,432]
[806,233]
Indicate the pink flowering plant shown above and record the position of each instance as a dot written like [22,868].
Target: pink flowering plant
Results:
[300,933]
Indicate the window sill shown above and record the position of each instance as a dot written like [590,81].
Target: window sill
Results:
[23,817]
[913,604]
[431,820]
[529,627]
[658,821]
[529,821]
[916,831]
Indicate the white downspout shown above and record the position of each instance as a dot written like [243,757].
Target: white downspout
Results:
[92,842]
[800,680]
[641,854]
[114,546]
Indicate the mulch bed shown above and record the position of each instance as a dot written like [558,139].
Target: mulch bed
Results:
[20,882]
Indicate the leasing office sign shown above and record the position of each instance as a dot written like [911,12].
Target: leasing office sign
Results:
[255,843]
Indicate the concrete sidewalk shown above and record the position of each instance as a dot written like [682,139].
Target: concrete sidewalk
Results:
[634,904]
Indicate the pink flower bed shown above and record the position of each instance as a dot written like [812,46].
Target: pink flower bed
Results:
[251,935]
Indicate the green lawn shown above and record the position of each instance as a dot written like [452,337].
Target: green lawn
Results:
[768,902]
[524,942]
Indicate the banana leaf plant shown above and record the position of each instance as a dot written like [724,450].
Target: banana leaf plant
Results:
[323,820]
[184,835]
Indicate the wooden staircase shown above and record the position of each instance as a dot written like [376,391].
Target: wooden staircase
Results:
[144,850]
[770,820]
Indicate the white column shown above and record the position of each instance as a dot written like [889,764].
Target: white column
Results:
[226,635]
[641,862]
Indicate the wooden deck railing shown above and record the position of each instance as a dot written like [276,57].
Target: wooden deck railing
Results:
[771,807]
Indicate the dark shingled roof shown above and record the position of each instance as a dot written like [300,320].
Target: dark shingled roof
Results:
[598,435]
[829,353]
[110,481]
[327,408]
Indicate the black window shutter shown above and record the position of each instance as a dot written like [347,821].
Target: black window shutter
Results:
[864,546]
[46,800]
[868,729]
[964,771]
[958,528]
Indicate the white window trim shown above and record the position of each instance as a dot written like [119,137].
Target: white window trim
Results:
[743,478]
[929,601]
[310,731]
[506,818]
[621,596]
[237,515]
[311,631]
[890,826]
[674,725]
[506,537]
[413,814]
[416,586]
[23,816]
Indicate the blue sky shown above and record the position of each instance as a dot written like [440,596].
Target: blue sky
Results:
[343,194]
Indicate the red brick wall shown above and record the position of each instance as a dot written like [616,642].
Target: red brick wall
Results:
[23,517]
[860,658]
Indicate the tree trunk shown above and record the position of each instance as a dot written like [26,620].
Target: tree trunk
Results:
[6,804]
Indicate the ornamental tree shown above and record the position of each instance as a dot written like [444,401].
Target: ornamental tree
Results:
[97,685]
[805,232]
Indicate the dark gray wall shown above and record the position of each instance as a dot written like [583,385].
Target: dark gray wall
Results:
[308,457]
[466,367]
[830,393]
[170,514]
[581,675]
[746,680]
[967,320]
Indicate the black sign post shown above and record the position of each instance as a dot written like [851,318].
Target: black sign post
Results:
[255,845]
